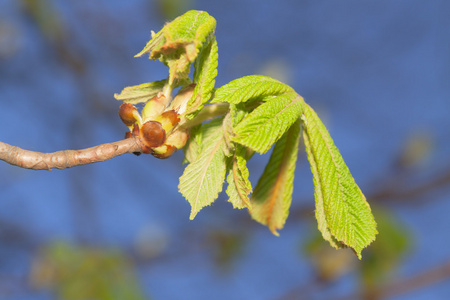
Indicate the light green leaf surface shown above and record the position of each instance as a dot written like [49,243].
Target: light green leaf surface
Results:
[194,144]
[239,187]
[140,93]
[202,180]
[272,197]
[249,87]
[194,27]
[204,76]
[343,214]
[260,129]
[180,41]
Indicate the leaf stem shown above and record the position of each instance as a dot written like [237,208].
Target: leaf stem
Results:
[167,91]
[208,112]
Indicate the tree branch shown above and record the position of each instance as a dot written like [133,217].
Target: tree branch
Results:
[67,158]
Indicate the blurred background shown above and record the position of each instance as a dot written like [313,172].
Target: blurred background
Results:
[377,72]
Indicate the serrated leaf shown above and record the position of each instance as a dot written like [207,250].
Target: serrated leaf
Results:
[249,87]
[178,43]
[260,129]
[239,187]
[140,93]
[194,27]
[202,179]
[272,197]
[342,212]
[194,144]
[204,76]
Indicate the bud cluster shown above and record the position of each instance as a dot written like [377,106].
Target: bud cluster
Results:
[157,127]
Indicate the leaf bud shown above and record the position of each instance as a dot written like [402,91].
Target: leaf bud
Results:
[152,135]
[178,138]
[174,142]
[128,114]
[168,119]
[153,108]
[179,103]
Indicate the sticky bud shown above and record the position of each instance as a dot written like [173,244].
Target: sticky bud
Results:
[153,108]
[168,120]
[171,116]
[128,114]
[179,103]
[174,142]
[152,134]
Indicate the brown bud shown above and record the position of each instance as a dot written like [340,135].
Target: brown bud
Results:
[152,134]
[171,116]
[127,113]
[168,120]
[174,141]
[128,134]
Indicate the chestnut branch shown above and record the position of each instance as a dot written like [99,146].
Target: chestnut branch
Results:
[137,141]
[66,158]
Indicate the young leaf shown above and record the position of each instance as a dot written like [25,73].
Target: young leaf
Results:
[249,87]
[273,193]
[342,212]
[179,42]
[194,144]
[204,76]
[260,129]
[140,93]
[194,27]
[239,187]
[202,179]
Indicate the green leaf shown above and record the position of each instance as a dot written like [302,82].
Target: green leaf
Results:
[194,27]
[272,197]
[204,76]
[180,41]
[260,129]
[239,187]
[343,214]
[202,180]
[140,93]
[249,87]
[194,144]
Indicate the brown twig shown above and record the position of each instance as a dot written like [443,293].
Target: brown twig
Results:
[66,158]
[426,278]
[415,282]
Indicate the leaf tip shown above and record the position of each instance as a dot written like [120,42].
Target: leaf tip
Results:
[192,215]
[139,54]
[358,254]
[274,232]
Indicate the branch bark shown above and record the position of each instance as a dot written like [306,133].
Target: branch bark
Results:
[67,158]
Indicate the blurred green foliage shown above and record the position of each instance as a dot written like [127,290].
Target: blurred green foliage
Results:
[227,246]
[386,253]
[80,273]
[380,259]
[170,9]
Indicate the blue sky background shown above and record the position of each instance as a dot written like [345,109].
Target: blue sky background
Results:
[377,72]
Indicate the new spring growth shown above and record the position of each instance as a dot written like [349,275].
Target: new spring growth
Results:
[159,127]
